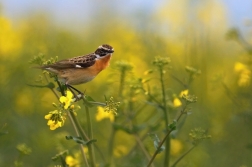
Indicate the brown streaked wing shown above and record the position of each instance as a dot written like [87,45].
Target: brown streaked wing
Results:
[83,61]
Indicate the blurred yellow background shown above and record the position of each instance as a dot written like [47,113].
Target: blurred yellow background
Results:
[192,33]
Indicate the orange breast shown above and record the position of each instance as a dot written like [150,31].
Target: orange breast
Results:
[101,64]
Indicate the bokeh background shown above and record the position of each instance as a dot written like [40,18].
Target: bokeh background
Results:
[196,33]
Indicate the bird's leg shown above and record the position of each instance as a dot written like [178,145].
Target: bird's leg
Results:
[80,94]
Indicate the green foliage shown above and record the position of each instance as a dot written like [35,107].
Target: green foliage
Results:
[111,106]
[161,61]
[198,135]
[156,142]
[172,126]
[147,86]
[79,140]
[24,149]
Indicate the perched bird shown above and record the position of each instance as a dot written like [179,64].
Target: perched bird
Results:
[81,69]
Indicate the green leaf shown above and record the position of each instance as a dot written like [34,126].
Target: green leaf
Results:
[59,155]
[37,86]
[173,125]
[156,142]
[87,99]
[123,128]
[51,85]
[79,140]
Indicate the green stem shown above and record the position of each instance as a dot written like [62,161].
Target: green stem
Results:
[182,156]
[122,78]
[90,134]
[78,134]
[111,146]
[165,110]
[179,81]
[132,121]
[166,136]
[143,137]
[53,90]
[141,145]
[113,131]
[81,131]
[63,162]
[97,103]
[84,135]
[72,119]
[61,89]
[158,148]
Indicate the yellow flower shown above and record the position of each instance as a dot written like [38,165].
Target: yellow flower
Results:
[71,161]
[184,92]
[102,114]
[176,102]
[54,125]
[176,147]
[244,79]
[72,106]
[48,116]
[239,67]
[120,151]
[244,72]
[85,150]
[10,39]
[66,100]
[55,119]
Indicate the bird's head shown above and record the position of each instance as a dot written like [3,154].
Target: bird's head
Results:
[104,50]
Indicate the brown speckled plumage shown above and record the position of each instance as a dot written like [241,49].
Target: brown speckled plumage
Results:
[81,69]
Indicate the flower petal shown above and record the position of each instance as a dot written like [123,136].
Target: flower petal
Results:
[184,92]
[50,122]
[63,99]
[69,95]
[48,116]
[67,104]
[177,102]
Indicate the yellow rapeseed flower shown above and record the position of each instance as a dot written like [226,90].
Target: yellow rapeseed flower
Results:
[101,114]
[176,102]
[184,92]
[120,151]
[55,119]
[48,116]
[244,74]
[10,39]
[238,67]
[54,124]
[66,100]
[71,161]
[176,147]
[244,79]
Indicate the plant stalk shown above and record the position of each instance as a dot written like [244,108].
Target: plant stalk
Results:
[90,134]
[165,138]
[72,120]
[166,118]
[182,156]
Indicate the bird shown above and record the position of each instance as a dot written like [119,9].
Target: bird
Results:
[81,69]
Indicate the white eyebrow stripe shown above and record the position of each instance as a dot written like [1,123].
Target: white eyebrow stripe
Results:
[78,66]
[102,47]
